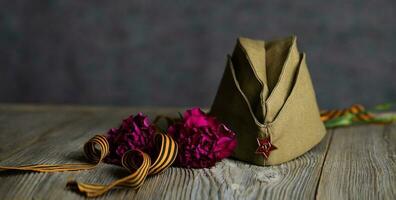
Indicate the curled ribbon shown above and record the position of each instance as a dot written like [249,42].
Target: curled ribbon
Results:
[354,115]
[136,161]
[356,109]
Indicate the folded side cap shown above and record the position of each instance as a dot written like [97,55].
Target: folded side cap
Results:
[285,81]
[276,55]
[232,108]
[282,64]
[298,127]
[255,53]
[248,56]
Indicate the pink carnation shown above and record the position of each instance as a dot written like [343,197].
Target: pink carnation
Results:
[202,140]
[135,132]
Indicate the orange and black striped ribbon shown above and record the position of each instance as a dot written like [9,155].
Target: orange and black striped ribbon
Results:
[136,161]
[166,156]
[96,149]
[358,110]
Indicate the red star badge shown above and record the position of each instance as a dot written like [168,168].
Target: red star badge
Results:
[265,147]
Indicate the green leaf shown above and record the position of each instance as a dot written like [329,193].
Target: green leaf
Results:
[344,120]
[383,107]
[384,119]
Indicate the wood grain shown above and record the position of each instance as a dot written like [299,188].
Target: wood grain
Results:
[362,155]
[22,129]
[361,164]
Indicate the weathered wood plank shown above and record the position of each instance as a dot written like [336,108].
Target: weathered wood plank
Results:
[360,164]
[62,145]
[20,129]
[26,123]
[229,179]
[57,146]
[25,108]
[232,179]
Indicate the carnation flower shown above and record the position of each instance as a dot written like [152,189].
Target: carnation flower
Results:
[135,132]
[202,140]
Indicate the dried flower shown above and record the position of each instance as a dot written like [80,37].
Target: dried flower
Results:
[135,132]
[202,140]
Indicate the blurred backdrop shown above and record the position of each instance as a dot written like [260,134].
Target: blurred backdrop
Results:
[172,53]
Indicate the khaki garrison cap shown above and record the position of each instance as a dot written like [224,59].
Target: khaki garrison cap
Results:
[266,96]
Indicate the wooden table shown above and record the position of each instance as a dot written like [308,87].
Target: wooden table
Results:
[350,163]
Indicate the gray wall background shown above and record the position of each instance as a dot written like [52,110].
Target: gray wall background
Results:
[172,53]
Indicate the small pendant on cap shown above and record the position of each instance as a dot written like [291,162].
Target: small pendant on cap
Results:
[264,147]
